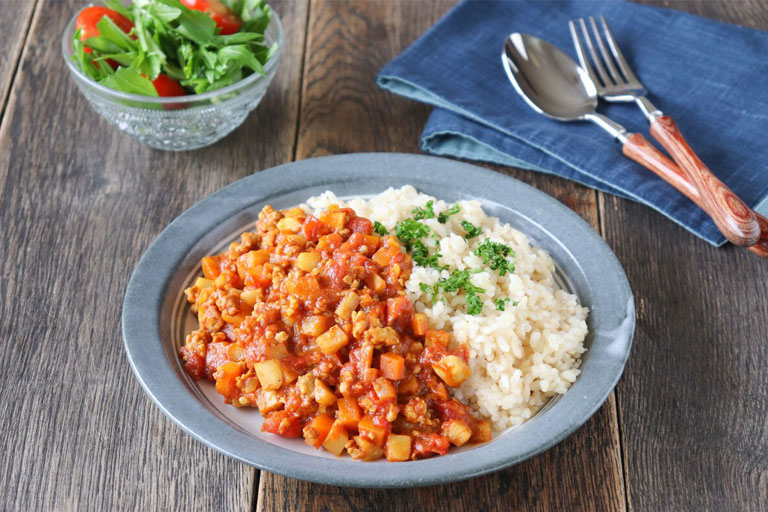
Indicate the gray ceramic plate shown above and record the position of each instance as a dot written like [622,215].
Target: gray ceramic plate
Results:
[155,316]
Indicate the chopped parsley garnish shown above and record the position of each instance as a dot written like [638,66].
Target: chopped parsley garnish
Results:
[409,231]
[495,255]
[427,212]
[421,256]
[442,218]
[474,304]
[458,281]
[501,304]
[379,228]
[471,229]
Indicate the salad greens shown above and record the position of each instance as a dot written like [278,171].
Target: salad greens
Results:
[171,39]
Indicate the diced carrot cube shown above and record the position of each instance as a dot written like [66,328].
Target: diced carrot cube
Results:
[437,336]
[211,268]
[317,430]
[392,366]
[349,412]
[377,434]
[420,324]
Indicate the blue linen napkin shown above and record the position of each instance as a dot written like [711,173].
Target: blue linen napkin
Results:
[709,76]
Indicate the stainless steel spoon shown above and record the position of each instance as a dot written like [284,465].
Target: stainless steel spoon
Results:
[553,84]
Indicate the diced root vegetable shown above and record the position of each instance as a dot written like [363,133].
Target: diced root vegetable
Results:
[315,325]
[437,336]
[289,224]
[317,430]
[336,439]
[236,352]
[270,374]
[249,297]
[267,401]
[348,413]
[226,376]
[420,324]
[276,350]
[409,386]
[371,431]
[202,282]
[335,220]
[398,448]
[392,366]
[235,320]
[375,283]
[307,261]
[332,340]
[211,268]
[482,432]
[384,389]
[365,450]
[323,394]
[453,370]
[347,305]
[457,432]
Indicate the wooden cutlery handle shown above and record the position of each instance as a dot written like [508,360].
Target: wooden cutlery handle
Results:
[734,219]
[639,149]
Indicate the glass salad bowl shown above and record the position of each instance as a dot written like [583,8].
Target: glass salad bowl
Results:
[182,122]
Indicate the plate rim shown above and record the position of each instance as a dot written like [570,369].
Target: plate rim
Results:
[222,437]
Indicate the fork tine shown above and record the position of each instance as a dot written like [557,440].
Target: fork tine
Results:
[595,59]
[616,51]
[607,60]
[582,54]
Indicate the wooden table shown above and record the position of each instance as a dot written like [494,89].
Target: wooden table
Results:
[686,429]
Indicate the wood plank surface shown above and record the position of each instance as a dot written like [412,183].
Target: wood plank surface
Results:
[342,111]
[14,26]
[80,204]
[694,396]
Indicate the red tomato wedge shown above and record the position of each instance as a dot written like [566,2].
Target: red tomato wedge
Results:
[88,19]
[167,86]
[225,19]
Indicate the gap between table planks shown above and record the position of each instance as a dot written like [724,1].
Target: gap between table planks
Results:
[80,204]
[342,111]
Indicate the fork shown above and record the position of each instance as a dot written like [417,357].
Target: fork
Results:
[617,83]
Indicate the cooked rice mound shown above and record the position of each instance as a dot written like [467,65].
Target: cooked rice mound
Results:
[520,357]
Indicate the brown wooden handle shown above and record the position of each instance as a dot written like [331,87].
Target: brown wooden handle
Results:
[639,149]
[734,219]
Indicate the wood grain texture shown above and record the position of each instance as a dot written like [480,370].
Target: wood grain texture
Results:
[694,396]
[80,204]
[734,218]
[14,26]
[343,111]
[640,149]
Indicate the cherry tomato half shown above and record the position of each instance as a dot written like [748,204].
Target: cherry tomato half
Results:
[167,86]
[90,17]
[225,19]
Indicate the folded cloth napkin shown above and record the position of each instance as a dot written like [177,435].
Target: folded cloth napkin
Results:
[709,76]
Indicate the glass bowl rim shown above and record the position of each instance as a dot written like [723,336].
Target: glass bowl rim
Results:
[190,98]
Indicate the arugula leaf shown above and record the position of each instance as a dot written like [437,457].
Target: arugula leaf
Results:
[113,34]
[197,26]
[129,80]
[239,54]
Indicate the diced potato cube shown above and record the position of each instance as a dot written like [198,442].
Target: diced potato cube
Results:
[482,432]
[336,220]
[295,212]
[371,431]
[234,320]
[420,324]
[362,449]
[270,374]
[252,259]
[267,401]
[437,336]
[202,282]
[398,448]
[251,384]
[221,281]
[323,394]
[276,350]
[453,370]
[332,340]
[249,297]
[289,224]
[236,352]
[306,384]
[409,386]
[336,439]
[307,261]
[289,374]
[317,430]
[392,366]
[348,413]
[315,325]
[384,389]
[375,283]
[347,305]
[457,432]
[381,257]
